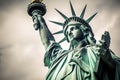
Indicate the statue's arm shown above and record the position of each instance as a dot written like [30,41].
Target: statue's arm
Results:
[104,51]
[105,60]
[45,34]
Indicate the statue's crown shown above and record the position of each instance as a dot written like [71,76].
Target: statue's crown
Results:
[73,18]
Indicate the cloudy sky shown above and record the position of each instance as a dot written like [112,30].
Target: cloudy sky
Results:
[21,51]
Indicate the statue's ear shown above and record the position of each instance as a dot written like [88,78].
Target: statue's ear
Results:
[85,30]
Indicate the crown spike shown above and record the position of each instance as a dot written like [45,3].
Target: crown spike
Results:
[90,18]
[62,40]
[59,32]
[83,12]
[58,23]
[72,9]
[65,17]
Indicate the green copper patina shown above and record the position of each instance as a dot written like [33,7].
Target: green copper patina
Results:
[85,59]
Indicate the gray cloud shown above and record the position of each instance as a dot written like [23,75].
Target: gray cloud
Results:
[110,5]
[7,3]
[115,40]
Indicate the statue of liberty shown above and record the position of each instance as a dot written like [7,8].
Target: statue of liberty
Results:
[85,59]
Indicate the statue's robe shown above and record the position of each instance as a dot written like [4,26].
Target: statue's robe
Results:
[82,63]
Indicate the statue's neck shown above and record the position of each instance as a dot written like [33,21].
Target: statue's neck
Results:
[74,44]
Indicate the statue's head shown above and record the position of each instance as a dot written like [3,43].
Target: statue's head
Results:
[76,27]
[73,31]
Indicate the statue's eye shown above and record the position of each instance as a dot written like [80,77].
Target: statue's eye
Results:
[72,28]
[77,27]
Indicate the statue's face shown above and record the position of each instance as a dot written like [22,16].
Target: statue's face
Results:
[74,32]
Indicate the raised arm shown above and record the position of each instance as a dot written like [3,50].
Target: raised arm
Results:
[45,34]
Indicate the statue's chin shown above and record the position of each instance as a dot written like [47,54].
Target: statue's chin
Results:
[77,39]
[73,41]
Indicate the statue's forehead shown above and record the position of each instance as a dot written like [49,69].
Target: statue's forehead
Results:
[74,23]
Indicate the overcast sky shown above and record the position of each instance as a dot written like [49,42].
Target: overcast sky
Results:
[21,51]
